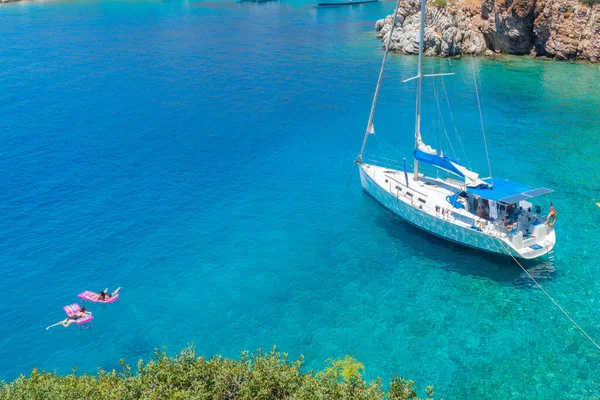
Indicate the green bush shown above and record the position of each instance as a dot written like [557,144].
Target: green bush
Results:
[185,376]
[590,2]
[439,3]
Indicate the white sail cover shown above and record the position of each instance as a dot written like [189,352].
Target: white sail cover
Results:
[425,148]
[471,178]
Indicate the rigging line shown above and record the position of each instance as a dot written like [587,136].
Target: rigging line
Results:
[376,95]
[454,125]
[439,138]
[435,95]
[481,117]
[550,297]
[379,144]
[436,144]
[380,159]
[384,162]
[444,139]
[379,140]
[389,145]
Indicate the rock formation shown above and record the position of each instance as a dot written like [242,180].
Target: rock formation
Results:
[564,29]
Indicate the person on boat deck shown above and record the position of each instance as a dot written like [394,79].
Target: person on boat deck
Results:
[73,318]
[105,296]
[483,210]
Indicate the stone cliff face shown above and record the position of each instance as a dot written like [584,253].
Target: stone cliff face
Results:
[508,25]
[564,29]
[567,29]
[449,31]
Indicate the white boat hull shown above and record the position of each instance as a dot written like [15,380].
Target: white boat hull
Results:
[405,208]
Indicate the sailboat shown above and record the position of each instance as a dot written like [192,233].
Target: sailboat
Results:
[490,214]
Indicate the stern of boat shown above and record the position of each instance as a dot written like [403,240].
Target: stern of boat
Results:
[532,246]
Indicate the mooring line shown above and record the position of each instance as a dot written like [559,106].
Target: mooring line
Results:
[550,297]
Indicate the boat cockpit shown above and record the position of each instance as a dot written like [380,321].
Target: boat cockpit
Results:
[504,206]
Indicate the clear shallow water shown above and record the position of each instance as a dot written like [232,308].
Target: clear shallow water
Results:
[198,154]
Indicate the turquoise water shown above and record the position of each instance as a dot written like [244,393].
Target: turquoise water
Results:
[198,154]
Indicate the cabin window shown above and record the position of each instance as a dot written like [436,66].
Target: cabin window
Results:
[398,188]
[409,194]
[386,181]
[422,201]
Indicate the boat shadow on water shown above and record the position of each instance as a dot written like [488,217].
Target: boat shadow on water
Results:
[463,259]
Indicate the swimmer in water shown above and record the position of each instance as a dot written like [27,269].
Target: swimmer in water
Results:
[73,318]
[105,296]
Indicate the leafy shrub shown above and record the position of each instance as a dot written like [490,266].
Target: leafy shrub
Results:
[590,2]
[185,376]
[441,3]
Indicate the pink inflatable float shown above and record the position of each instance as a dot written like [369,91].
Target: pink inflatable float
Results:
[72,309]
[91,296]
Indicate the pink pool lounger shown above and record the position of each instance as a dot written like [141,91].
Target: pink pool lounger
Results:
[71,309]
[91,296]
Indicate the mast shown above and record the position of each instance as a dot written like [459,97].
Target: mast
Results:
[419,89]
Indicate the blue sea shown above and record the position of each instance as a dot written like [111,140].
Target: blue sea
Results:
[200,155]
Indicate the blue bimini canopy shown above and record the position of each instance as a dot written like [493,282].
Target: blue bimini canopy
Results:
[508,192]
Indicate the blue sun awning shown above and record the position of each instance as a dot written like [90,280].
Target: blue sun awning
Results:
[505,191]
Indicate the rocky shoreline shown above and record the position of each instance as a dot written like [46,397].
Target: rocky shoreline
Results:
[560,29]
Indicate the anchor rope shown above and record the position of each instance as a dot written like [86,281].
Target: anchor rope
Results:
[550,297]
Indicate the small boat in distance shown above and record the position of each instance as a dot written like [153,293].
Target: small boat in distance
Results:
[489,214]
[343,2]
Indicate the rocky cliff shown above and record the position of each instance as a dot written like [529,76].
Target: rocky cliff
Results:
[564,29]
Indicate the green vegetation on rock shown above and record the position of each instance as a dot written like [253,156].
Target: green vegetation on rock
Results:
[439,3]
[185,376]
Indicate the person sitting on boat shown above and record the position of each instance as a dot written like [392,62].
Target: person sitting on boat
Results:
[105,296]
[72,318]
[483,209]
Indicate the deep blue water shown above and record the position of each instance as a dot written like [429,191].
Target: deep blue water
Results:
[198,154]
